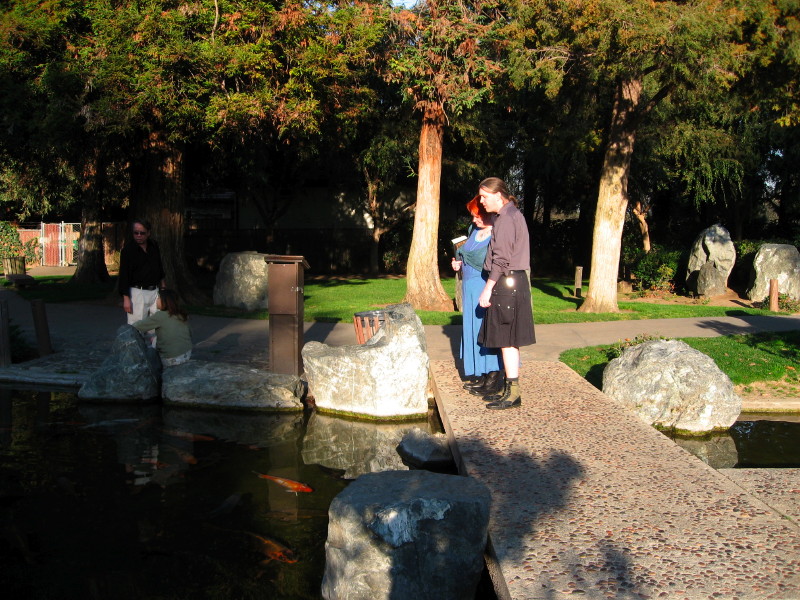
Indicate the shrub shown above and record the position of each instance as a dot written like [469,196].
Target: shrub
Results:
[10,244]
[616,350]
[788,304]
[657,269]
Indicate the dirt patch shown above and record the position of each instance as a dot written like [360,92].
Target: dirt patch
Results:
[729,298]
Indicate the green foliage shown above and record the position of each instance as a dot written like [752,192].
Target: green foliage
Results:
[10,244]
[657,269]
[617,348]
[788,304]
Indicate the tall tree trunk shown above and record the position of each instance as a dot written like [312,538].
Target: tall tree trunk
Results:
[158,197]
[373,209]
[612,200]
[91,258]
[640,212]
[424,287]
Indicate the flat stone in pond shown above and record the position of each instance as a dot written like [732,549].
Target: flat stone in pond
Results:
[229,386]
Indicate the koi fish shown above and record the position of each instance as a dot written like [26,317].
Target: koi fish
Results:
[272,550]
[289,484]
[186,457]
[193,437]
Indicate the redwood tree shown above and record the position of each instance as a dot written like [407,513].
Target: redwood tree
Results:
[445,63]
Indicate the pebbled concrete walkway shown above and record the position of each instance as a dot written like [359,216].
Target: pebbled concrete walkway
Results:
[588,501]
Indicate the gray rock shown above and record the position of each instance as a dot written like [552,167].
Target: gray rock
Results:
[386,377]
[132,371]
[355,447]
[407,534]
[711,262]
[669,384]
[242,281]
[223,385]
[775,261]
[425,450]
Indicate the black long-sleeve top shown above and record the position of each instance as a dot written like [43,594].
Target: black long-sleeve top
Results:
[139,268]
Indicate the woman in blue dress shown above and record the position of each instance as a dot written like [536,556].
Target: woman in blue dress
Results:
[481,365]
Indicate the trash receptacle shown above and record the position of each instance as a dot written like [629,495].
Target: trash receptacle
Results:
[285,276]
[367,324]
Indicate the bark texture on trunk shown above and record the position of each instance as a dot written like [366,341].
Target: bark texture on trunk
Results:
[158,196]
[91,263]
[612,200]
[424,287]
[641,218]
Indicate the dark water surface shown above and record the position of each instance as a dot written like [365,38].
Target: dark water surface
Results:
[754,441]
[144,502]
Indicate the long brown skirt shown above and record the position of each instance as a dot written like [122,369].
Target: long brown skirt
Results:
[509,320]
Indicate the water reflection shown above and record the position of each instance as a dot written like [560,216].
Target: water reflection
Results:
[355,447]
[138,502]
[753,441]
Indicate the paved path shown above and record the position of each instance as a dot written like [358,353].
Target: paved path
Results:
[589,501]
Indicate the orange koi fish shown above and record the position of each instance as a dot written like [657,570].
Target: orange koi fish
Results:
[289,484]
[185,456]
[193,437]
[273,550]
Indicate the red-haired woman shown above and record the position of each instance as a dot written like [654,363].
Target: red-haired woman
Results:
[481,364]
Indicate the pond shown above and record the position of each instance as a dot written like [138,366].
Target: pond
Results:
[123,501]
[753,441]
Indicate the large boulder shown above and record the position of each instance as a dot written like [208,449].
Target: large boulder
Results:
[669,384]
[387,377]
[205,384]
[131,372]
[710,262]
[775,261]
[406,534]
[242,281]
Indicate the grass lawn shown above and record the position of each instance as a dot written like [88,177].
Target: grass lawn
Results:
[744,358]
[335,299]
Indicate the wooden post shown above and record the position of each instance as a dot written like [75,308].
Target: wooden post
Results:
[578,281]
[773,295]
[5,335]
[42,330]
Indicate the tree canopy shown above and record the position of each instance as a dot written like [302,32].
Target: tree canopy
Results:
[672,112]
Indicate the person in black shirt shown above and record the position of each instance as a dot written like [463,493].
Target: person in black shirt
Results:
[141,273]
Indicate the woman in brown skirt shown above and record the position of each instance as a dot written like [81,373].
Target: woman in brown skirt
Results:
[508,323]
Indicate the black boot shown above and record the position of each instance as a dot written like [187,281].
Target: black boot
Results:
[511,397]
[474,382]
[498,394]
[492,385]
